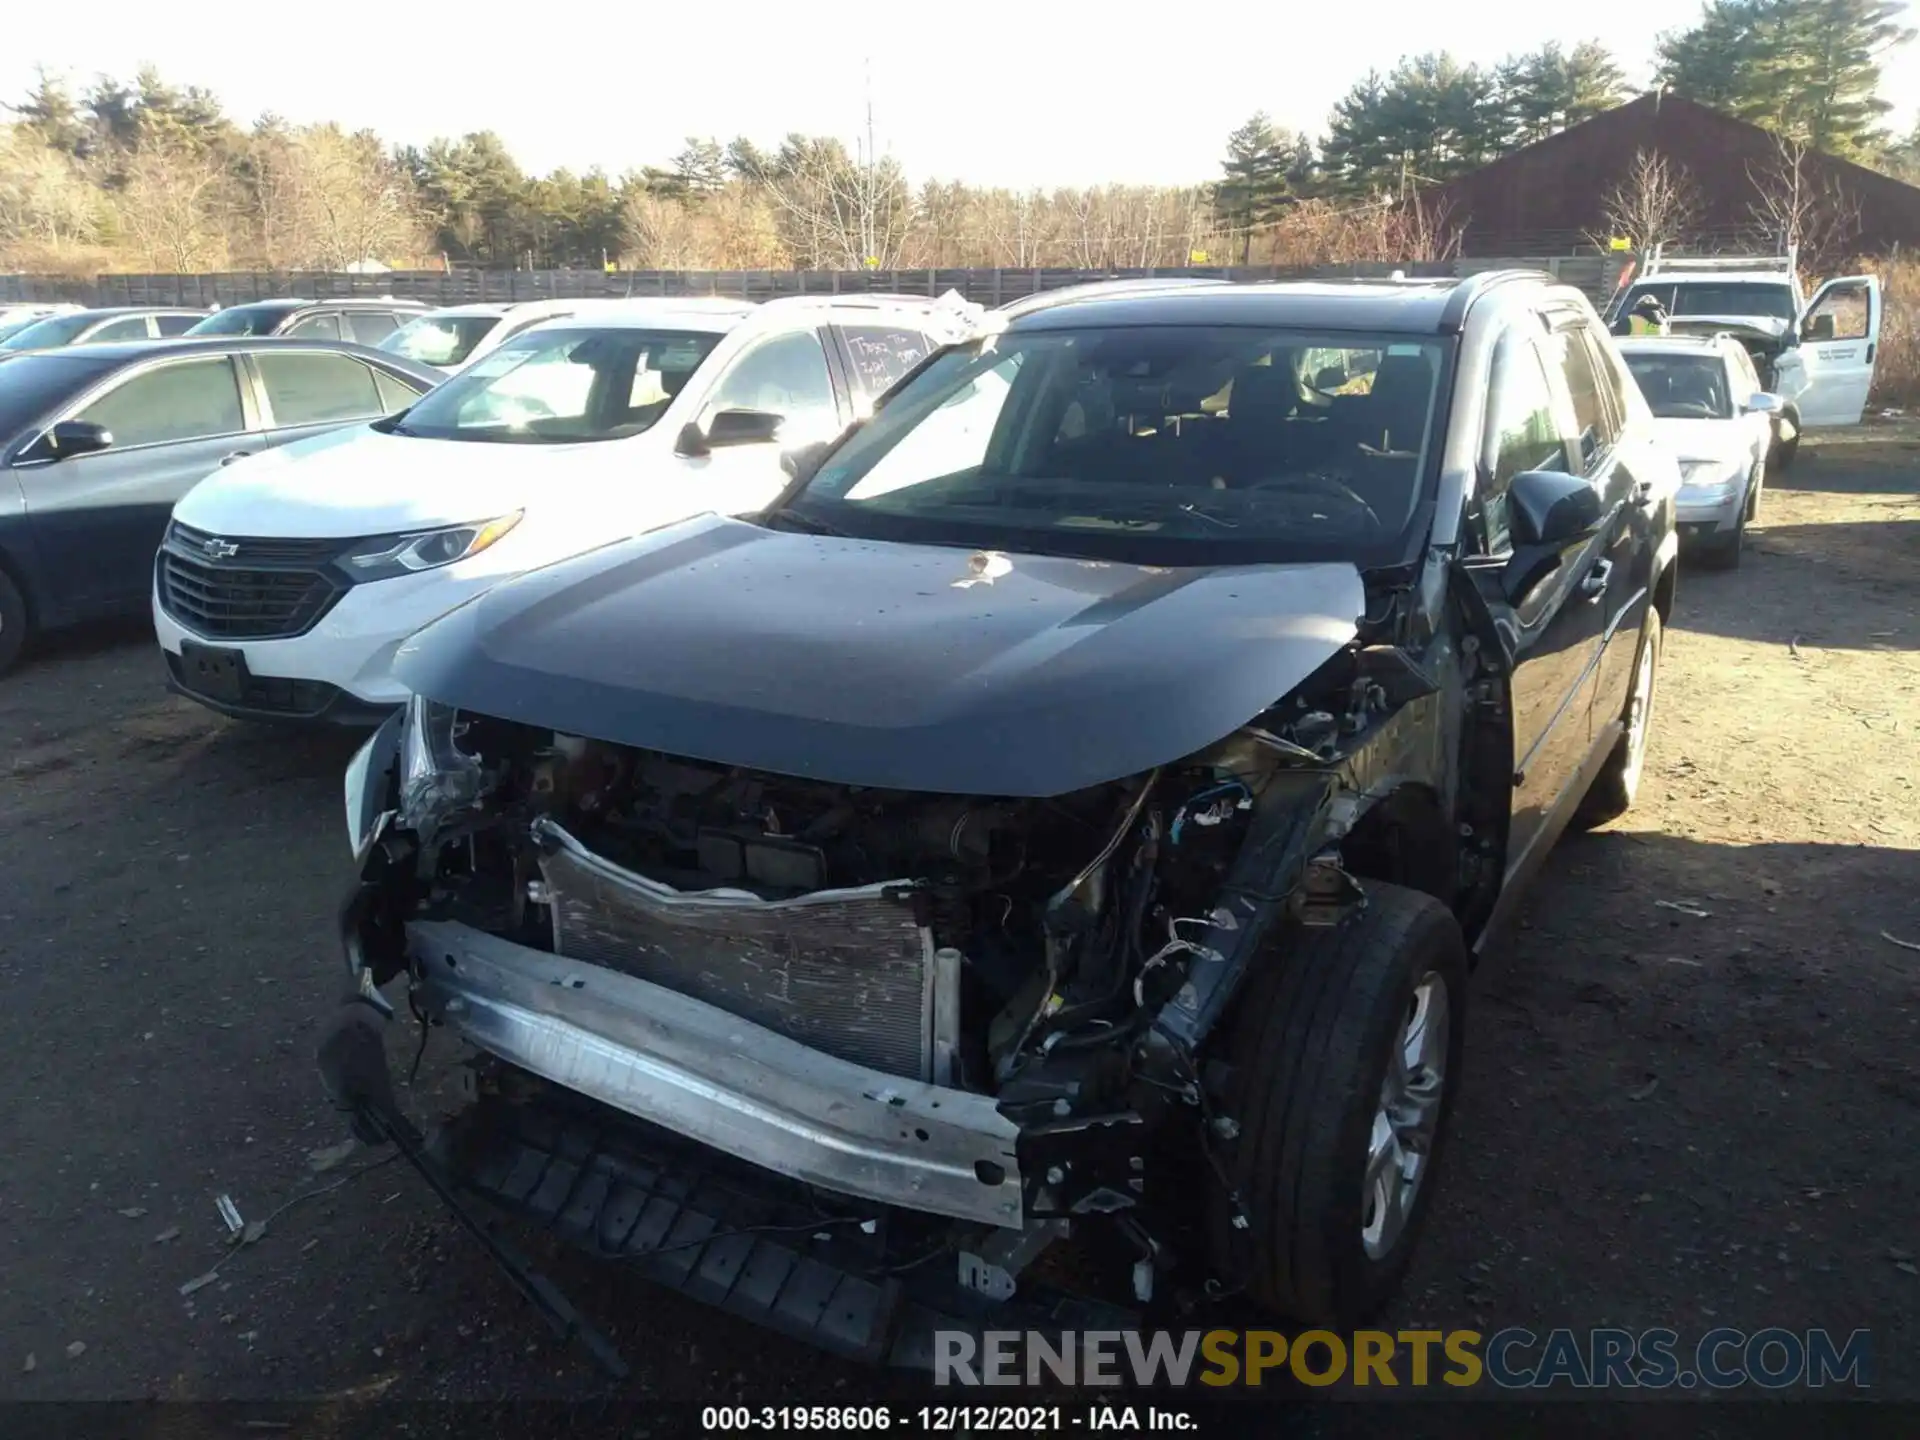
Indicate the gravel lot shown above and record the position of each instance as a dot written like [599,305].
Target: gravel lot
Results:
[1669,1118]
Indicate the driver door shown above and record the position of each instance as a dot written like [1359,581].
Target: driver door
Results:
[786,375]
[97,519]
[1839,337]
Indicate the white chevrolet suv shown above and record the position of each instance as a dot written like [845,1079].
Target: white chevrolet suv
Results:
[287,581]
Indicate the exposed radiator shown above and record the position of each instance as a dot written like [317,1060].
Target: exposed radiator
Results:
[844,971]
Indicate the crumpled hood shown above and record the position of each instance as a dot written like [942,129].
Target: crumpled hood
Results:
[896,666]
[361,481]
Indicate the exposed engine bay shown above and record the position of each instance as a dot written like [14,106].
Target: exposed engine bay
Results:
[947,939]
[931,936]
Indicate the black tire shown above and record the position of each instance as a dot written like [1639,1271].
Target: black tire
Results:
[1723,552]
[1612,793]
[1310,1051]
[14,622]
[1784,452]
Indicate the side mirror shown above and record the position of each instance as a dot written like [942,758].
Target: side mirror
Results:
[691,442]
[1818,328]
[77,437]
[744,427]
[1765,404]
[1331,377]
[1547,511]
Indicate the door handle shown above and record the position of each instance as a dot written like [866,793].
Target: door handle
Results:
[235,455]
[1593,584]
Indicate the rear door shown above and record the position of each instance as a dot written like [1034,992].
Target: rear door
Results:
[127,327]
[1839,338]
[370,327]
[876,355]
[304,392]
[1633,485]
[320,325]
[97,519]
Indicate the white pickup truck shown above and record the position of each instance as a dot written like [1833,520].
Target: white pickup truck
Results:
[1816,354]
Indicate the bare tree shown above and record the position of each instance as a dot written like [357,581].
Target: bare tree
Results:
[1795,202]
[732,229]
[661,233]
[48,205]
[1656,204]
[844,212]
[174,208]
[325,199]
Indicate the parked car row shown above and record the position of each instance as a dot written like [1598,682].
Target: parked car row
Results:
[267,599]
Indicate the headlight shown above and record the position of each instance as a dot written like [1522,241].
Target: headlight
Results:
[391,555]
[1709,477]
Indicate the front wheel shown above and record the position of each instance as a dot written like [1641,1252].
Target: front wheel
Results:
[1345,1057]
[1784,452]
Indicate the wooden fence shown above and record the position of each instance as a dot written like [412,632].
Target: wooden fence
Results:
[1593,273]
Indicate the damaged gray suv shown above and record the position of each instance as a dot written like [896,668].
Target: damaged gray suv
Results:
[1069,813]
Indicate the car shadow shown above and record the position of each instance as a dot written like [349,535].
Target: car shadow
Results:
[94,639]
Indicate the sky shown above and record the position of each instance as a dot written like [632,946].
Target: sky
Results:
[1059,94]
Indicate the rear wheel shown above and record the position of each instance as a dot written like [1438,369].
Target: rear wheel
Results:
[1345,1058]
[13,622]
[1614,788]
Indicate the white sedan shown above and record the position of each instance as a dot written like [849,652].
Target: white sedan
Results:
[1710,411]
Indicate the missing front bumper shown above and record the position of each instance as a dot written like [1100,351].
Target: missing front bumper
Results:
[717,1079]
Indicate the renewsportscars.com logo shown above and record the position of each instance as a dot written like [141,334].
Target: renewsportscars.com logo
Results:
[1514,1358]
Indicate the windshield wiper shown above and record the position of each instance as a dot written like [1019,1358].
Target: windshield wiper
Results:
[806,524]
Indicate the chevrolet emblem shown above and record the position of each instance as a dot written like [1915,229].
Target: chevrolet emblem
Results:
[218,549]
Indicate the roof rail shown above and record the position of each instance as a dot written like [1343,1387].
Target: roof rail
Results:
[1470,288]
[1658,263]
[875,298]
[1093,289]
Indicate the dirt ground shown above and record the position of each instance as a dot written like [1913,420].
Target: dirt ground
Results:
[1688,1117]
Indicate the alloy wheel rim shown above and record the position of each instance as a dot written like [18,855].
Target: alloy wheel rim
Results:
[1400,1146]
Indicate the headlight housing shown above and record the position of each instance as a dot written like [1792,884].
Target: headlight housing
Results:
[1709,478]
[437,778]
[386,556]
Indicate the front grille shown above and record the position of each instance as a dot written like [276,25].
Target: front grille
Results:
[848,972]
[267,589]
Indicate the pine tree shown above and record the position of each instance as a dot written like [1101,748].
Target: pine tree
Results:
[1262,174]
[1809,69]
[51,111]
